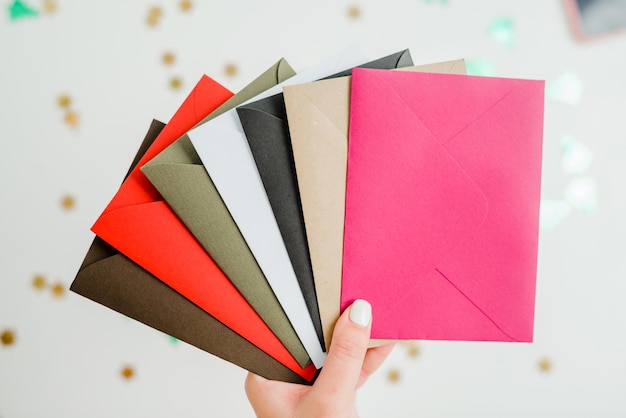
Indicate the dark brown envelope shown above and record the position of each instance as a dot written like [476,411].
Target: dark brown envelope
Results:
[111,279]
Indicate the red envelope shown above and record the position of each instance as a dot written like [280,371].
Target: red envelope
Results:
[140,224]
[442,204]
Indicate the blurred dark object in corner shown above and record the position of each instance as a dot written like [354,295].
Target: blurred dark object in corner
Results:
[595,19]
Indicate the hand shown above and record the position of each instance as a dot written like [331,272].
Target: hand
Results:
[347,367]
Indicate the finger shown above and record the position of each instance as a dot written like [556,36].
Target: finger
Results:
[270,398]
[373,359]
[342,369]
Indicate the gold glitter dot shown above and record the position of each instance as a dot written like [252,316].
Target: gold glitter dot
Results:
[413,349]
[64,101]
[176,83]
[68,202]
[544,365]
[58,290]
[152,20]
[155,11]
[393,376]
[127,372]
[354,12]
[185,5]
[71,118]
[168,58]
[39,282]
[49,6]
[7,337]
[230,70]
[154,14]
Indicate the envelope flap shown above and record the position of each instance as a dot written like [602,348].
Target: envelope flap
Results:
[273,106]
[330,97]
[204,98]
[180,151]
[437,97]
[395,60]
[404,188]
[120,284]
[445,67]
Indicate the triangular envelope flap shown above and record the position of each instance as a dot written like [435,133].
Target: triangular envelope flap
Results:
[137,189]
[331,98]
[121,285]
[273,106]
[332,144]
[405,193]
[457,99]
[508,170]
[395,60]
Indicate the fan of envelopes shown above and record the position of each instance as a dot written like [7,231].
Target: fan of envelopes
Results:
[249,221]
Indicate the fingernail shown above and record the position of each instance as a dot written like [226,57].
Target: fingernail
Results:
[361,313]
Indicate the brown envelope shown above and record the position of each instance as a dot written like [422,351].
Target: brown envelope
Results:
[318,114]
[111,279]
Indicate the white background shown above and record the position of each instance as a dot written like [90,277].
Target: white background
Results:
[68,352]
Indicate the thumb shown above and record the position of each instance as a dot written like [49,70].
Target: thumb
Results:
[347,350]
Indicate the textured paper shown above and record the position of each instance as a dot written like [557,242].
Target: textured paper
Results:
[265,125]
[140,224]
[111,279]
[442,204]
[178,175]
[225,153]
[318,115]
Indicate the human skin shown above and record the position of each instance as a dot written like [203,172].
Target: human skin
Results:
[348,365]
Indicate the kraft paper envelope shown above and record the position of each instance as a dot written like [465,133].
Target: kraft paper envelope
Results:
[139,224]
[442,204]
[225,153]
[265,125]
[318,115]
[111,279]
[178,175]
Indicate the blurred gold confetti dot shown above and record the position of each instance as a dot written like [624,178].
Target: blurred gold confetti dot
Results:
[230,70]
[39,282]
[58,290]
[168,58]
[7,337]
[176,83]
[413,349]
[68,202]
[354,12]
[49,6]
[155,11]
[545,365]
[64,101]
[393,376]
[71,118]
[185,5]
[127,372]
[154,14]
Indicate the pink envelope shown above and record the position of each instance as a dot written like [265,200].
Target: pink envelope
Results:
[442,204]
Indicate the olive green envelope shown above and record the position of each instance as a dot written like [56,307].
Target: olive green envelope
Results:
[111,279]
[318,114]
[179,176]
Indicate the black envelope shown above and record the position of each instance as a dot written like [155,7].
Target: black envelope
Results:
[111,279]
[265,126]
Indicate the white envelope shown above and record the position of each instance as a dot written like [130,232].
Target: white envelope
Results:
[225,153]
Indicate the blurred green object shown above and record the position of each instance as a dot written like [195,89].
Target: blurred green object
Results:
[552,212]
[576,156]
[19,10]
[567,88]
[581,193]
[501,30]
[484,67]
